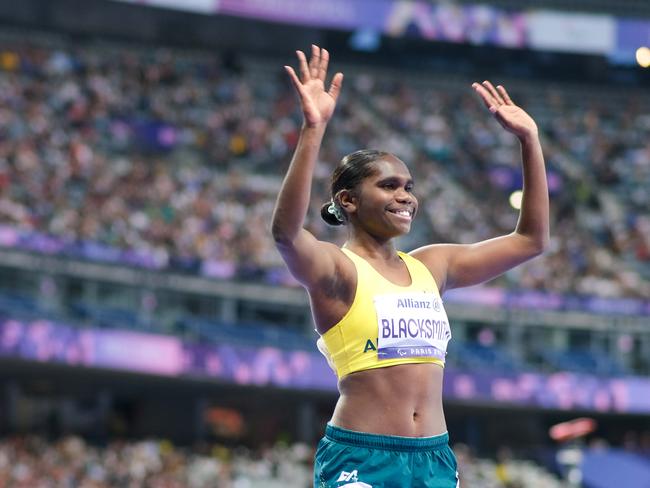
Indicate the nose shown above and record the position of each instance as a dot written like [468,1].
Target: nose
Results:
[403,196]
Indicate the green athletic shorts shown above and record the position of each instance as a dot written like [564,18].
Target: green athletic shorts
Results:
[345,458]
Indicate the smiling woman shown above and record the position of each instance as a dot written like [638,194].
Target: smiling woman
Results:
[383,201]
[383,326]
[362,172]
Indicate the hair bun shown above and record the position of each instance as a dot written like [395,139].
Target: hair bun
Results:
[328,216]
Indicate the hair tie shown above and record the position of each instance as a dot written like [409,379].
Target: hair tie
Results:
[335,211]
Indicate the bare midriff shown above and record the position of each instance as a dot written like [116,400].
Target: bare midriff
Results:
[403,400]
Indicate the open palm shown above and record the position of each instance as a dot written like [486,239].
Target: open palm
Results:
[317,104]
[513,118]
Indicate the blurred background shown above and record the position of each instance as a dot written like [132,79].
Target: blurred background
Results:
[150,335]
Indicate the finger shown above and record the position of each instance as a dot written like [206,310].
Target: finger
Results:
[304,68]
[293,77]
[504,95]
[335,87]
[314,62]
[486,96]
[494,92]
[324,62]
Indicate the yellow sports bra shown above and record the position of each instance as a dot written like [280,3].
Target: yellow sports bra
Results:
[389,324]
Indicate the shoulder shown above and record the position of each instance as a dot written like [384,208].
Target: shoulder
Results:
[435,259]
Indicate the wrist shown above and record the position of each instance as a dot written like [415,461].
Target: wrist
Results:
[314,127]
[531,136]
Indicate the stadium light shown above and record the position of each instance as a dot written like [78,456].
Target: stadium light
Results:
[515,199]
[643,56]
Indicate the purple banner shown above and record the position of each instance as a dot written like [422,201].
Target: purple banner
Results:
[563,391]
[14,237]
[477,24]
[631,34]
[537,300]
[45,341]
[337,14]
[446,21]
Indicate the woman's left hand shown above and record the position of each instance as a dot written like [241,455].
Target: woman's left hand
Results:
[513,118]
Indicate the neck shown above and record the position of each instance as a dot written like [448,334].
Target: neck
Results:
[371,247]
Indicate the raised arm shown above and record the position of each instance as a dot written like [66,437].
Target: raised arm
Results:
[455,265]
[308,259]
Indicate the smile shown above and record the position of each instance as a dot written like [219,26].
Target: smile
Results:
[403,213]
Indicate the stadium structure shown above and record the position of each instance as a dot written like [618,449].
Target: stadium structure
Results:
[150,334]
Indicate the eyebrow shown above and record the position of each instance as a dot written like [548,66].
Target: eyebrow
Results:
[395,179]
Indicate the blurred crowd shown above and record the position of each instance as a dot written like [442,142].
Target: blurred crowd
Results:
[179,156]
[33,462]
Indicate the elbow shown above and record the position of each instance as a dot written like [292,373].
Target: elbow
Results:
[545,241]
[536,245]
[541,244]
[546,244]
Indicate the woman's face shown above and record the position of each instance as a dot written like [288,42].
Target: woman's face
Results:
[385,204]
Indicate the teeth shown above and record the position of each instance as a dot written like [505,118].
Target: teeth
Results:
[404,213]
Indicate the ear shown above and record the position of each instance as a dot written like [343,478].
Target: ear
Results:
[347,201]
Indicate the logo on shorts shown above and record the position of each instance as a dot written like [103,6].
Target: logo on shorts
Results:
[351,476]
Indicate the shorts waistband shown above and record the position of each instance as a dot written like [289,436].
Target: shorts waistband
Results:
[389,442]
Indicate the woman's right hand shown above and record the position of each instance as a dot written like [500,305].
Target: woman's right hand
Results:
[317,104]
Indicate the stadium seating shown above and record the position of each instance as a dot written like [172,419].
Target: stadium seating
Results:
[180,170]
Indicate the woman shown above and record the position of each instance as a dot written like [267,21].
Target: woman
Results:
[378,310]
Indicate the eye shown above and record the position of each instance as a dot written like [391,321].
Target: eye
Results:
[409,187]
[389,185]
